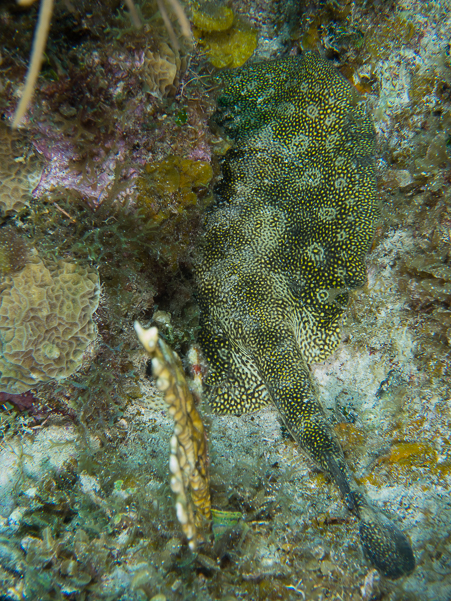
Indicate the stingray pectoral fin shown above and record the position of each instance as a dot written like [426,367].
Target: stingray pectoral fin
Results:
[384,545]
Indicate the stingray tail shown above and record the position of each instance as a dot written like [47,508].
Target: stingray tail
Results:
[287,378]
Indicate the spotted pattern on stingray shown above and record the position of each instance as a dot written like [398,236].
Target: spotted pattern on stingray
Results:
[285,241]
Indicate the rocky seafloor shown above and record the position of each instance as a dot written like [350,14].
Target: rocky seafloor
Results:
[110,174]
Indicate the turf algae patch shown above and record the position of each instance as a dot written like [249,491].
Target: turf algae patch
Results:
[284,244]
[20,171]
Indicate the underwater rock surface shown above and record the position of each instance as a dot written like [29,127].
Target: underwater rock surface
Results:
[104,526]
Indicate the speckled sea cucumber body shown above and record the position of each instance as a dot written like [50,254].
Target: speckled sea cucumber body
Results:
[284,242]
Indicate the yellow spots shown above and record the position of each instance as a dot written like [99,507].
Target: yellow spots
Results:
[341,273]
[327,213]
[285,108]
[332,141]
[312,111]
[265,95]
[249,88]
[341,183]
[315,252]
[311,177]
[323,296]
[291,82]
[329,119]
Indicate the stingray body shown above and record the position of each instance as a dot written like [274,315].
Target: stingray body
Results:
[284,242]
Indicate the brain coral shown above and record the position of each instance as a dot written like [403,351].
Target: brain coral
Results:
[45,322]
[19,173]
